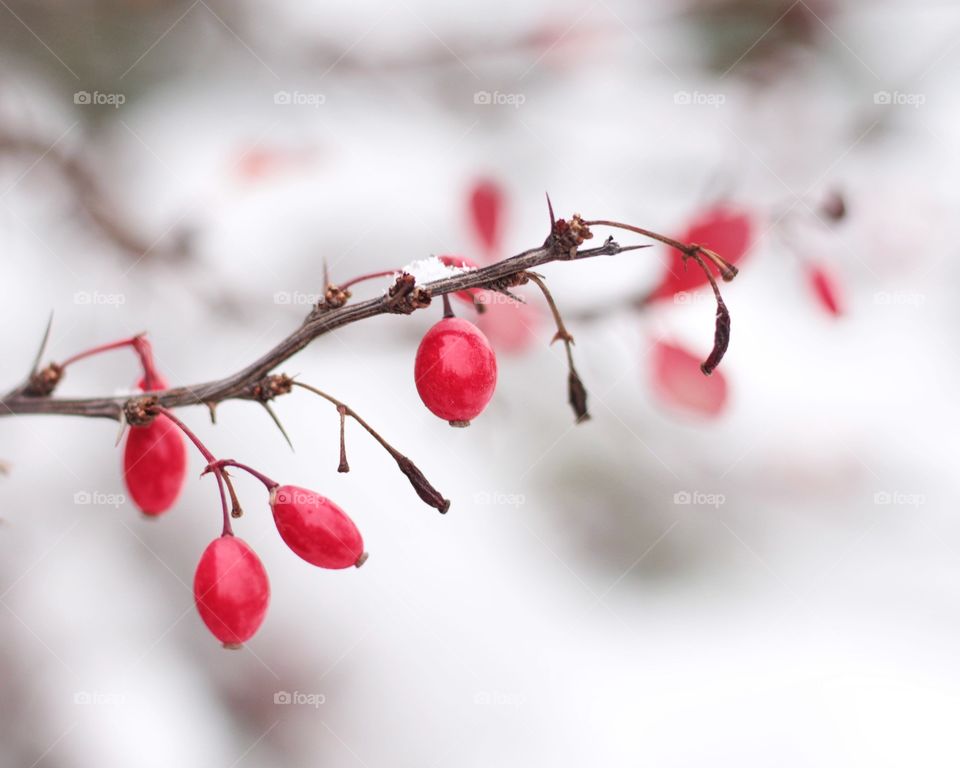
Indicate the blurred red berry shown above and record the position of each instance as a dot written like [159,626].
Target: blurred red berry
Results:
[486,209]
[315,528]
[724,230]
[510,327]
[679,383]
[826,290]
[231,590]
[455,371]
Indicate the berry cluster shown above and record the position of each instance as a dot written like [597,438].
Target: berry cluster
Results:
[455,373]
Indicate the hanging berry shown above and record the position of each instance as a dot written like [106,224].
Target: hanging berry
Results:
[455,371]
[231,590]
[154,460]
[315,528]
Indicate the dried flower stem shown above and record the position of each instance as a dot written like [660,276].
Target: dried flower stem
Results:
[417,479]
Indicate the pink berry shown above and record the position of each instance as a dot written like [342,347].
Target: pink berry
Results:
[486,205]
[155,463]
[455,371]
[826,290]
[316,528]
[231,590]
[679,383]
[723,229]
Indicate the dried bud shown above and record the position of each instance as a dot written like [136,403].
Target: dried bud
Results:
[404,296]
[421,485]
[140,411]
[568,236]
[43,382]
[577,396]
[721,339]
[335,297]
[834,207]
[271,386]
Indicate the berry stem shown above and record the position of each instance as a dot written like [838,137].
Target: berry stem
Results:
[344,464]
[267,482]
[726,269]
[577,393]
[139,344]
[211,466]
[417,479]
[447,308]
[721,334]
[369,276]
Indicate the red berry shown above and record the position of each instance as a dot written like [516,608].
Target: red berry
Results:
[467,296]
[510,327]
[486,204]
[231,590]
[154,465]
[316,528]
[722,229]
[825,289]
[680,384]
[455,371]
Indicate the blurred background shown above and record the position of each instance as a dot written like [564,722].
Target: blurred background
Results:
[758,568]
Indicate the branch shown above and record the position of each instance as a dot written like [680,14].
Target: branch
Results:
[254,382]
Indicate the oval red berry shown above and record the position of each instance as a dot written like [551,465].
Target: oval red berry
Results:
[231,590]
[315,528]
[154,465]
[455,370]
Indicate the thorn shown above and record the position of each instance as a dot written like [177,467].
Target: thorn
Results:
[212,407]
[553,219]
[277,422]
[43,346]
[326,273]
[123,428]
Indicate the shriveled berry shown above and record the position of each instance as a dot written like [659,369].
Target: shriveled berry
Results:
[455,371]
[723,229]
[154,465]
[231,590]
[316,528]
